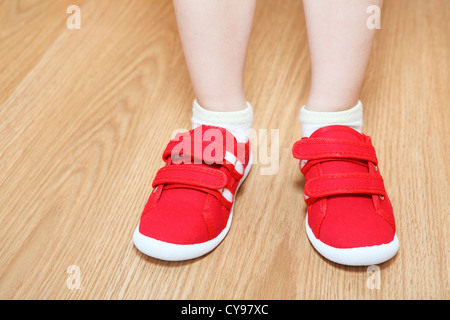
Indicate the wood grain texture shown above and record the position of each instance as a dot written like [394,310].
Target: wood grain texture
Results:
[85,115]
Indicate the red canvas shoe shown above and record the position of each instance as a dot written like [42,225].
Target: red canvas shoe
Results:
[350,218]
[191,207]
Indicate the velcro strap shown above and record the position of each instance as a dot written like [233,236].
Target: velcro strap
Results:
[321,148]
[344,183]
[194,175]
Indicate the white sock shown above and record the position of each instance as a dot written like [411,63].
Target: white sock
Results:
[239,123]
[313,120]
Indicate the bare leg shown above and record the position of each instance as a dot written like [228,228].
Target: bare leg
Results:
[340,43]
[215,36]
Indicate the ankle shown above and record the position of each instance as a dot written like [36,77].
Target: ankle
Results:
[330,104]
[223,103]
[313,120]
[239,123]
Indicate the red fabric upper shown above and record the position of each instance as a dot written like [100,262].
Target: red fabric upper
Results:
[187,205]
[347,203]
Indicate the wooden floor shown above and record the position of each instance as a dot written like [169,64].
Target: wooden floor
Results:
[85,115]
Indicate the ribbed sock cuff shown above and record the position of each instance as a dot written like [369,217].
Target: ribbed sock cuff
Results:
[313,120]
[239,123]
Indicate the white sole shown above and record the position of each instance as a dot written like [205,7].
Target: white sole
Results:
[362,256]
[179,252]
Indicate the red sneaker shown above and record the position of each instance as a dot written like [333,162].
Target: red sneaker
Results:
[191,207]
[350,218]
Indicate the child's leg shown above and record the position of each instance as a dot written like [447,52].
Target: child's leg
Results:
[215,36]
[350,218]
[191,207]
[340,43]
